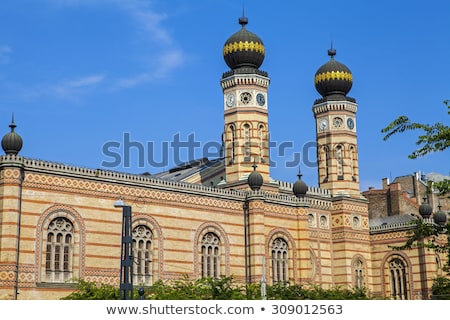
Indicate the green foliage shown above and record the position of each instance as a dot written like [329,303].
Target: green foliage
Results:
[93,291]
[441,289]
[435,137]
[443,187]
[224,288]
[281,291]
[201,289]
[424,235]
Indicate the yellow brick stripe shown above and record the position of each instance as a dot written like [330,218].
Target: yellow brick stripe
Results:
[243,46]
[333,75]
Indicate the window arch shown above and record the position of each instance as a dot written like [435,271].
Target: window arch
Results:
[246,142]
[313,265]
[326,154]
[398,278]
[358,273]
[340,166]
[210,255]
[280,260]
[438,265]
[353,162]
[59,250]
[232,139]
[261,133]
[142,255]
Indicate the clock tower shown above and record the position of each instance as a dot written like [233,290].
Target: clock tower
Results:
[335,115]
[246,132]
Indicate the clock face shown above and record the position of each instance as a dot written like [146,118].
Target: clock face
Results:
[350,123]
[323,124]
[260,99]
[230,100]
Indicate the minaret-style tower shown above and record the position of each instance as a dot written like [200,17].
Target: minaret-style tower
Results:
[246,132]
[335,114]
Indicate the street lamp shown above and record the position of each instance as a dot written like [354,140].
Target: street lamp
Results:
[126,259]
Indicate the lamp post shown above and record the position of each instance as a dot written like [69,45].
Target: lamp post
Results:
[126,259]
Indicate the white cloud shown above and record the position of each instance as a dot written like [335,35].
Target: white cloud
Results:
[67,89]
[166,62]
[165,52]
[148,19]
[73,88]
[86,81]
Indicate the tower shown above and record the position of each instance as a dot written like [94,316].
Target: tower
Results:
[335,115]
[246,134]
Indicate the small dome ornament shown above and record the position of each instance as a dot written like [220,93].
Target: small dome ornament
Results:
[333,78]
[12,142]
[299,188]
[244,48]
[440,218]
[255,179]
[425,209]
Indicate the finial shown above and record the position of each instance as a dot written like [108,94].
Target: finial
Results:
[254,165]
[243,20]
[331,51]
[12,125]
[299,188]
[299,174]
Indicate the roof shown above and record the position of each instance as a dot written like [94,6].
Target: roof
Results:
[436,177]
[188,169]
[399,221]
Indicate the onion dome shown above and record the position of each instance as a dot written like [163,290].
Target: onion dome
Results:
[333,78]
[255,179]
[440,217]
[425,209]
[299,188]
[12,142]
[244,48]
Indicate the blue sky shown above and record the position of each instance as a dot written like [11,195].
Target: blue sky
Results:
[79,74]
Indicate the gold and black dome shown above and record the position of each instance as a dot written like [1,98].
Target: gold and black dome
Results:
[244,48]
[333,78]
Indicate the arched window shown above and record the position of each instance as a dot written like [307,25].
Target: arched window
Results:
[352,164]
[340,172]
[398,279]
[246,142]
[261,143]
[313,263]
[210,253]
[280,260]
[142,255]
[59,250]
[232,146]
[326,162]
[438,265]
[358,272]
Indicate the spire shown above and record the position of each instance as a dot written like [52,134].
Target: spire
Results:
[331,51]
[243,20]
[299,188]
[12,125]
